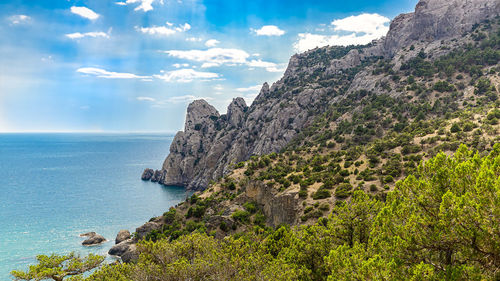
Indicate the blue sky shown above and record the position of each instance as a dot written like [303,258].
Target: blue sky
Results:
[134,65]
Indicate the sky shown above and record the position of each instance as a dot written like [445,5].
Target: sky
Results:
[134,65]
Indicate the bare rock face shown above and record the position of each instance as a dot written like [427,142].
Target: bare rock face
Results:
[146,228]
[131,254]
[211,142]
[121,248]
[122,236]
[438,19]
[278,208]
[147,174]
[158,176]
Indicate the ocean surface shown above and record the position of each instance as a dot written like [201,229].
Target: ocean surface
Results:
[55,186]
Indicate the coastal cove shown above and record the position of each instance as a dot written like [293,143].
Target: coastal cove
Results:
[55,186]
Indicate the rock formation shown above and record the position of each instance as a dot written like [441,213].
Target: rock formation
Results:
[125,245]
[122,236]
[147,174]
[93,239]
[121,248]
[211,142]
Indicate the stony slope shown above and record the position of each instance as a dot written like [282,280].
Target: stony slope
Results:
[211,142]
[343,119]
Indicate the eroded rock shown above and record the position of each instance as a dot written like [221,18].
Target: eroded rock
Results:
[93,239]
[122,236]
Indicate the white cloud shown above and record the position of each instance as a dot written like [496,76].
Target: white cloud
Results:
[179,99]
[364,23]
[268,30]
[186,99]
[212,43]
[78,35]
[178,65]
[255,88]
[19,19]
[164,30]
[215,57]
[101,73]
[144,5]
[193,39]
[269,66]
[186,75]
[146,99]
[85,12]
[363,29]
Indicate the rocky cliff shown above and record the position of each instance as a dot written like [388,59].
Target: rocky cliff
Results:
[211,143]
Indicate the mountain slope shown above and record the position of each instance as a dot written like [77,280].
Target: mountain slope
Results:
[210,143]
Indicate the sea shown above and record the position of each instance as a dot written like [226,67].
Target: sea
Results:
[54,187]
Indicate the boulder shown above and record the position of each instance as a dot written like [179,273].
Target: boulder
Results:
[88,234]
[122,236]
[157,176]
[121,248]
[93,239]
[146,228]
[131,255]
[147,174]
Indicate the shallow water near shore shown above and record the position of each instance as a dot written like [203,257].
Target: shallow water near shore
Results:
[54,187]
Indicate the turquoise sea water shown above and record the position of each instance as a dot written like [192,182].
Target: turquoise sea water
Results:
[55,186]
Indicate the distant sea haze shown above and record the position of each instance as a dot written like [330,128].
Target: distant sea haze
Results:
[55,186]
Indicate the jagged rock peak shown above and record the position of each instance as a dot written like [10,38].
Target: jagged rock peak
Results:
[236,111]
[264,92]
[197,112]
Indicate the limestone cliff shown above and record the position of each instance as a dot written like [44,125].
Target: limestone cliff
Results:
[211,142]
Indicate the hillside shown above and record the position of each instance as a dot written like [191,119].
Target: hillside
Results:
[376,162]
[314,81]
[365,141]
[341,119]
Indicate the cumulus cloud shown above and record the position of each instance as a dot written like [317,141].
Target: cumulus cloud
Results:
[212,43]
[19,19]
[215,57]
[78,35]
[364,23]
[101,73]
[361,29]
[164,30]
[268,30]
[85,12]
[186,75]
[144,5]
